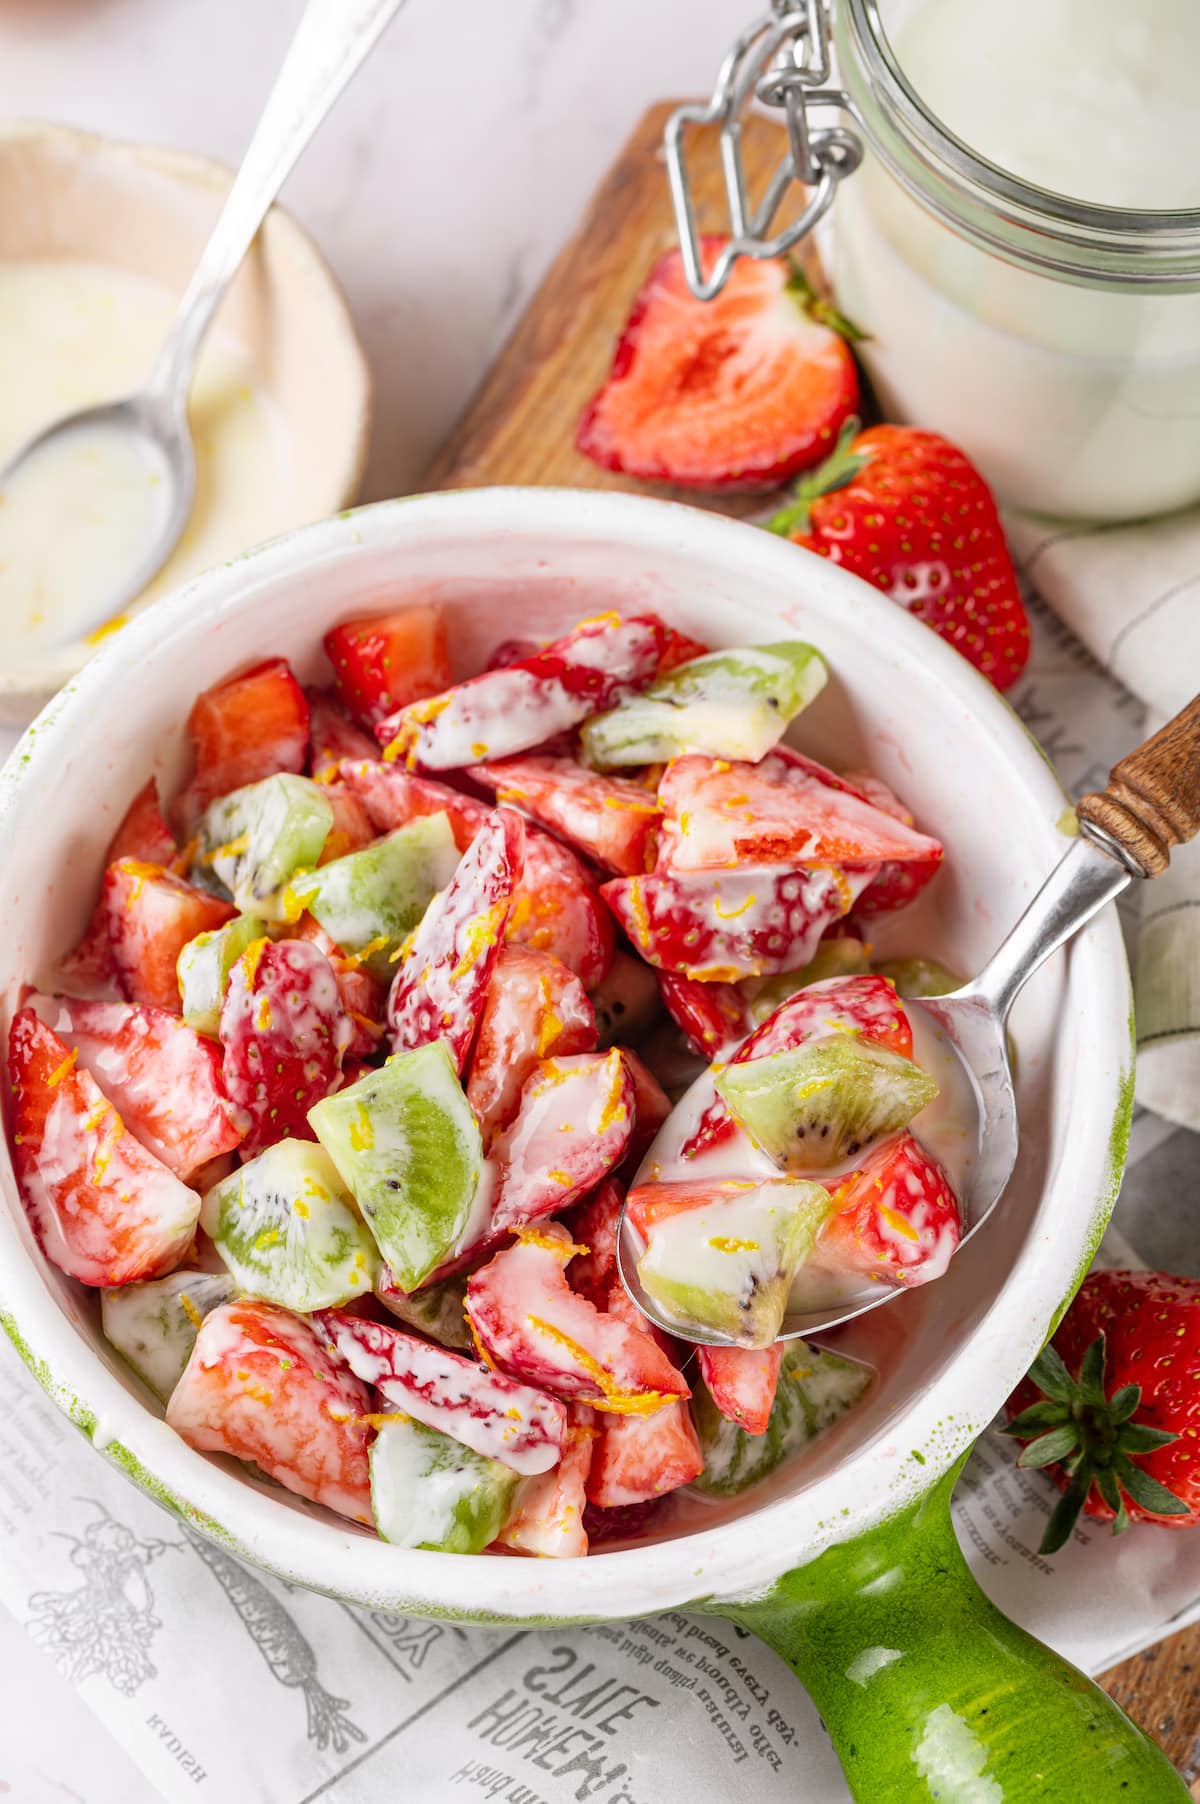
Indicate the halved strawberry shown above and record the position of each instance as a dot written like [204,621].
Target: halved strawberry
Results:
[718,815]
[557,908]
[283,1034]
[532,1325]
[898,881]
[637,1458]
[442,978]
[712,1017]
[332,736]
[515,709]
[104,1209]
[896,1218]
[741,1382]
[908,512]
[261,1386]
[163,1079]
[547,1518]
[484,1410]
[572,1127]
[393,796]
[384,661]
[242,730]
[739,392]
[609,819]
[149,918]
[534,1009]
[351,829]
[142,834]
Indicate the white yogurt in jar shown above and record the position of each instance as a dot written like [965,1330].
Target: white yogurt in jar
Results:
[1074,399]
[73,518]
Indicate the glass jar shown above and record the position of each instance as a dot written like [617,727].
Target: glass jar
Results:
[1057,341]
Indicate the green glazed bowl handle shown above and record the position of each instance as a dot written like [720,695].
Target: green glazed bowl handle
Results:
[931,1694]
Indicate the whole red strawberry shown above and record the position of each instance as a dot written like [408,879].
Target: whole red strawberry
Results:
[739,392]
[1111,1408]
[909,513]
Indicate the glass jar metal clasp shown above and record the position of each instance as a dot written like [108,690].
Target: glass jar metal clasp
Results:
[782,61]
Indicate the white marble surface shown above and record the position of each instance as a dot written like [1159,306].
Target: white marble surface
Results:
[440,189]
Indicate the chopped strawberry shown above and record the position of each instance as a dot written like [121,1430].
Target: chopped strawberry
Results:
[442,978]
[741,1382]
[384,661]
[637,1458]
[363,999]
[628,1522]
[104,1209]
[896,1218]
[593,1225]
[242,730]
[738,392]
[571,1129]
[651,1106]
[351,829]
[163,1079]
[610,819]
[283,1032]
[534,1009]
[556,908]
[392,797]
[514,709]
[680,648]
[717,926]
[719,815]
[899,880]
[333,735]
[532,1325]
[908,512]
[712,1017]
[142,834]
[547,1518]
[260,1385]
[149,918]
[512,651]
[482,1409]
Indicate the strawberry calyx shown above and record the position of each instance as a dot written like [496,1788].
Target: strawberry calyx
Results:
[838,470]
[1094,1438]
[820,309]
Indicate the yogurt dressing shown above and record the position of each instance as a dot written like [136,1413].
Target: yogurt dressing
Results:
[73,520]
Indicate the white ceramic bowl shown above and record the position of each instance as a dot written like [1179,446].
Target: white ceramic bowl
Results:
[534,561]
[148,211]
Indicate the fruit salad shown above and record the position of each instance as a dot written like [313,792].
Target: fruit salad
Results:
[367,1045]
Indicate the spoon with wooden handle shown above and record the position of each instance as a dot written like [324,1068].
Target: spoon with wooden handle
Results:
[1152,803]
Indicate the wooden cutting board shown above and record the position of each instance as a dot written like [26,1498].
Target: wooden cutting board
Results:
[520,428]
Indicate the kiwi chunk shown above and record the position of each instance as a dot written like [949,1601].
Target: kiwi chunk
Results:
[406,1142]
[369,900]
[438,1311]
[204,967]
[825,1102]
[814,1390]
[256,839]
[153,1325]
[920,976]
[430,1491]
[730,704]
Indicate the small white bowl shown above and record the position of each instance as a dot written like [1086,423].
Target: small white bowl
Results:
[148,211]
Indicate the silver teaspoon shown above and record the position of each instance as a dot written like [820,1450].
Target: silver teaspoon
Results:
[331,41]
[1152,803]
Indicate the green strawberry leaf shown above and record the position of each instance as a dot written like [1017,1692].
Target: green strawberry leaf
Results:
[1063,1516]
[1091,1373]
[1038,1415]
[1051,1447]
[1146,1492]
[1106,1484]
[839,468]
[1138,1437]
[1050,1375]
[1122,1403]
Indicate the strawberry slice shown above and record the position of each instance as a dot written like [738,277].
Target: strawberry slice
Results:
[651,1107]
[547,1517]
[738,392]
[481,1409]
[392,797]
[866,1005]
[909,513]
[442,979]
[163,1079]
[384,661]
[534,1009]
[260,1386]
[573,1125]
[639,1458]
[718,815]
[242,730]
[718,926]
[896,1218]
[680,648]
[556,908]
[531,1324]
[609,819]
[103,1208]
[283,1034]
[741,1382]
[142,834]
[512,710]
[593,1225]
[149,917]
[351,829]
[512,651]
[899,880]
[363,999]
[712,1017]
[333,736]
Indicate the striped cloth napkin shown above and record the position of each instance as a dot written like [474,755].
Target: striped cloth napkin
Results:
[1131,593]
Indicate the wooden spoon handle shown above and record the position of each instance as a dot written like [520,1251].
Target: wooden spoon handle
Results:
[1153,797]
